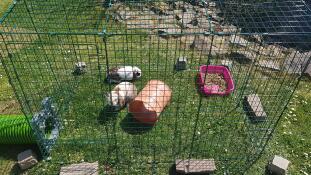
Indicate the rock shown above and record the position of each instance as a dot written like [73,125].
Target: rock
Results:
[187,40]
[227,63]
[216,27]
[185,18]
[168,30]
[195,166]
[181,63]
[230,29]
[216,18]
[80,68]
[203,23]
[244,56]
[140,24]
[255,108]
[237,40]
[160,8]
[269,64]
[120,12]
[80,169]
[296,62]
[199,3]
[273,51]
[178,14]
[203,12]
[184,6]
[308,70]
[255,38]
[278,165]
[192,29]
[212,5]
[27,159]
[204,44]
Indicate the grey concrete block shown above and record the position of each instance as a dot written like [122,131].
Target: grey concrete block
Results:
[27,159]
[278,165]
[227,63]
[270,64]
[181,63]
[255,107]
[80,68]
[195,166]
[80,169]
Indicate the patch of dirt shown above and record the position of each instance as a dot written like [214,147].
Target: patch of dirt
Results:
[17,41]
[215,79]
[9,107]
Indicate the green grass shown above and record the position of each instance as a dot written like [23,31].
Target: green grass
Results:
[292,137]
[89,136]
[4,4]
[223,131]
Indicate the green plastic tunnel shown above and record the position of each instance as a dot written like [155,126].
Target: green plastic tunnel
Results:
[14,129]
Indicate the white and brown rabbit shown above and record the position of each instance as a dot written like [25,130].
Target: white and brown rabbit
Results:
[124,73]
[121,95]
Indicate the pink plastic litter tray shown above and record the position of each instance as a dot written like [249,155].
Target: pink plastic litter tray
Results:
[214,89]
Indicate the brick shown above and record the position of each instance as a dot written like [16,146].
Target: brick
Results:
[27,159]
[256,108]
[80,169]
[195,166]
[278,165]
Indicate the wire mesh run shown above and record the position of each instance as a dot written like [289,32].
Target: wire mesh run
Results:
[9,104]
[70,51]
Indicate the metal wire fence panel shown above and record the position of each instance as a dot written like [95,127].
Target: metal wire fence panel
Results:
[9,104]
[72,51]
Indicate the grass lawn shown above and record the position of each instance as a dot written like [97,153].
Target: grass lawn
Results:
[4,5]
[190,125]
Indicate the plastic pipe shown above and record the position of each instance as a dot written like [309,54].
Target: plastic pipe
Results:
[14,129]
[150,102]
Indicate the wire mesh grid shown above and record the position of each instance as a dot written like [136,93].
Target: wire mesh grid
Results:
[9,104]
[265,46]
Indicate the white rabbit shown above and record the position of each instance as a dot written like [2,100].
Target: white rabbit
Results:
[125,73]
[121,95]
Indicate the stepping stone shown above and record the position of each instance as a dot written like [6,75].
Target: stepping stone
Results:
[255,107]
[278,165]
[227,63]
[195,166]
[296,62]
[270,64]
[237,40]
[80,169]
[26,159]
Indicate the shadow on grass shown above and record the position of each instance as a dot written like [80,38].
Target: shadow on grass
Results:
[9,155]
[131,126]
[107,114]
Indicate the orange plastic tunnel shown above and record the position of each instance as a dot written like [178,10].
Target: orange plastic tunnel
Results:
[150,102]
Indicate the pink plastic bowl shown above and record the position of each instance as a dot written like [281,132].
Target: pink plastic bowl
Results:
[213,90]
